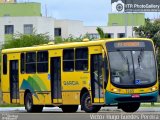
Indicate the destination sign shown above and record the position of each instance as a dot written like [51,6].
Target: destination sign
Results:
[129,44]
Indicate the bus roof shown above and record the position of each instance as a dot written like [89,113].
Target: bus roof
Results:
[66,45]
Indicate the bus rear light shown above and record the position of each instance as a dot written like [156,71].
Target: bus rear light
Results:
[135,96]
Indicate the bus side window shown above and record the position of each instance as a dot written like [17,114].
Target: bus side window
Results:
[4,64]
[31,62]
[22,63]
[68,60]
[81,59]
[42,61]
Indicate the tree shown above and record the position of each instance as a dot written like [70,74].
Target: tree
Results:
[149,30]
[71,39]
[21,40]
[101,33]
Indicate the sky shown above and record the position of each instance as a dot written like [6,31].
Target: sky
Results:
[91,12]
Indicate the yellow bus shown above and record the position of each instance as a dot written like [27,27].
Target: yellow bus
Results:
[120,72]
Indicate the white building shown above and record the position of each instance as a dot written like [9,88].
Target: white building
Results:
[65,28]
[14,19]
[112,31]
[76,28]
[54,27]
[25,25]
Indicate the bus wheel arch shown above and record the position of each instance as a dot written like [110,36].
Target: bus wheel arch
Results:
[86,103]
[129,107]
[83,91]
[69,108]
[28,102]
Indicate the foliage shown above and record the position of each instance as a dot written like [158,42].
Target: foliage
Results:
[156,39]
[71,39]
[101,33]
[21,40]
[149,30]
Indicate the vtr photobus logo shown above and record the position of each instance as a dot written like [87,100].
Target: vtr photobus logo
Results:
[135,5]
[118,6]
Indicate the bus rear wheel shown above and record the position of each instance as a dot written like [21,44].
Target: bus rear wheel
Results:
[29,104]
[130,107]
[87,106]
[69,108]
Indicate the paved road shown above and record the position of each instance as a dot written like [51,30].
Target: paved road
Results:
[80,116]
[111,113]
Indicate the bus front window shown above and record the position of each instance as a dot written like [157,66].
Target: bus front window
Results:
[132,68]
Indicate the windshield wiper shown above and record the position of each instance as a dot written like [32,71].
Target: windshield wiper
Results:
[125,59]
[140,58]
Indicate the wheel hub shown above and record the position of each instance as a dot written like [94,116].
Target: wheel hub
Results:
[29,104]
[88,103]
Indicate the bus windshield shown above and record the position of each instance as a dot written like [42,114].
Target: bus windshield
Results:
[132,63]
[132,67]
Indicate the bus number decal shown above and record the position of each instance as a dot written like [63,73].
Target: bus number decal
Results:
[73,83]
[129,91]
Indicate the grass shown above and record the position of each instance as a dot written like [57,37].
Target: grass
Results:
[149,105]
[11,105]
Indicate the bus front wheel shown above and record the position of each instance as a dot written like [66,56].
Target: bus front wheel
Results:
[69,108]
[29,104]
[87,106]
[129,107]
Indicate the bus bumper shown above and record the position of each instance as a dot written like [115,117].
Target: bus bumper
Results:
[112,98]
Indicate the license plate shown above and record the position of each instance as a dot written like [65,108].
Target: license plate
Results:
[135,96]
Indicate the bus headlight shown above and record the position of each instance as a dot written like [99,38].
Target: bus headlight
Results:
[154,88]
[115,90]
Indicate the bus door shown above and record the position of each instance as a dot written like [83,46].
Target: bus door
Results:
[97,78]
[14,81]
[56,80]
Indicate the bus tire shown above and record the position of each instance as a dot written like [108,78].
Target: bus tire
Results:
[87,106]
[130,107]
[69,108]
[29,102]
